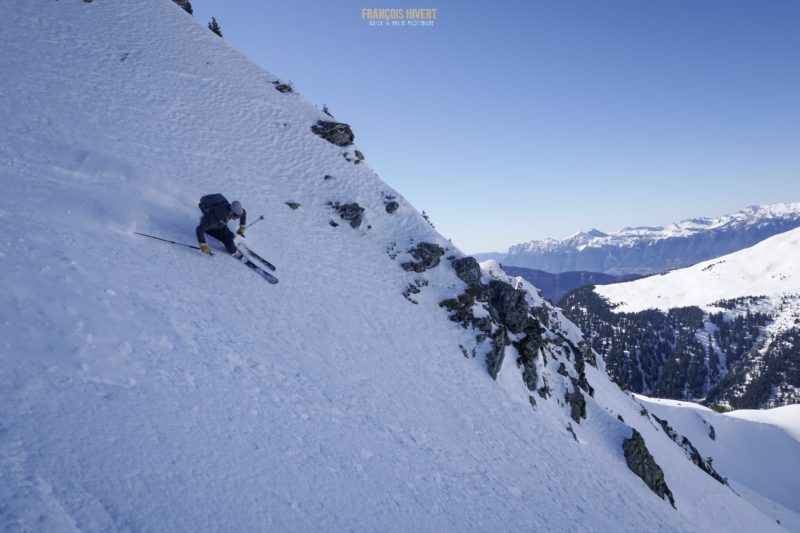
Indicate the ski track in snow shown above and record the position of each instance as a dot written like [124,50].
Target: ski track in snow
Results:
[147,387]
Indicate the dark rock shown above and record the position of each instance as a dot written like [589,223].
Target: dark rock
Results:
[542,314]
[641,463]
[619,417]
[572,432]
[334,132]
[465,352]
[494,359]
[392,206]
[283,87]
[352,213]
[327,177]
[691,451]
[577,404]
[702,464]
[427,256]
[359,155]
[293,205]
[483,324]
[711,433]
[671,433]
[411,289]
[461,309]
[468,271]
[588,352]
[528,348]
[529,376]
[544,391]
[332,223]
[415,288]
[510,305]
[532,401]
[583,383]
[562,370]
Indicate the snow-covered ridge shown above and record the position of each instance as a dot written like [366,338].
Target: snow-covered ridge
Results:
[631,236]
[771,268]
[646,250]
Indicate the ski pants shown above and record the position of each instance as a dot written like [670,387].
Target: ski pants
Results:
[225,236]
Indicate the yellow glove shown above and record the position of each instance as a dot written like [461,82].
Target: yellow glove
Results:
[204,248]
[241,230]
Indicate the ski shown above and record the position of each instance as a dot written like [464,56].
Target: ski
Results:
[258,270]
[257,257]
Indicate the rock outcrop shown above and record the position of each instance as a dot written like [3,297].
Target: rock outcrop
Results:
[352,212]
[426,255]
[576,402]
[337,133]
[690,450]
[641,463]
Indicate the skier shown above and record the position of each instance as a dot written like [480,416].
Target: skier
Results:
[216,214]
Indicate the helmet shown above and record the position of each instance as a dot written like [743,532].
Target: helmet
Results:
[237,208]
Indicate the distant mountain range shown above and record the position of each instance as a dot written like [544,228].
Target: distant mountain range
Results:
[723,332]
[647,250]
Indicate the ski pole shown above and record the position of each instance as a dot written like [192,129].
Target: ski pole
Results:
[261,217]
[167,240]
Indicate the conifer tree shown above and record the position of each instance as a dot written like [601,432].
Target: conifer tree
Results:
[186,5]
[214,26]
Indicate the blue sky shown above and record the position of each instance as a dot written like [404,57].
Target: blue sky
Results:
[511,121]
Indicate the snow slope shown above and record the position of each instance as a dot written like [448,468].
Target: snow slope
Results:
[144,386]
[759,450]
[770,268]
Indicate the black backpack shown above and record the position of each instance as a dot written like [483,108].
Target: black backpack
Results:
[210,202]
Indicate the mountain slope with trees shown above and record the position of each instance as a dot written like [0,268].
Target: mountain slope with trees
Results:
[724,332]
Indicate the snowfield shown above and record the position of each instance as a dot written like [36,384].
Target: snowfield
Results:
[759,450]
[147,387]
[769,268]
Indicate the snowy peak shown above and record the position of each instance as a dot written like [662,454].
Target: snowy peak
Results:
[582,236]
[629,236]
[650,249]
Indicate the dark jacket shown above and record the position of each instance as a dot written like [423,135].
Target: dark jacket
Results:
[217,219]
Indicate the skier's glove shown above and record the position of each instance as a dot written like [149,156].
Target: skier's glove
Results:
[241,230]
[204,248]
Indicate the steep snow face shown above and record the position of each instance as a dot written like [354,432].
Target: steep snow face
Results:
[647,250]
[144,386]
